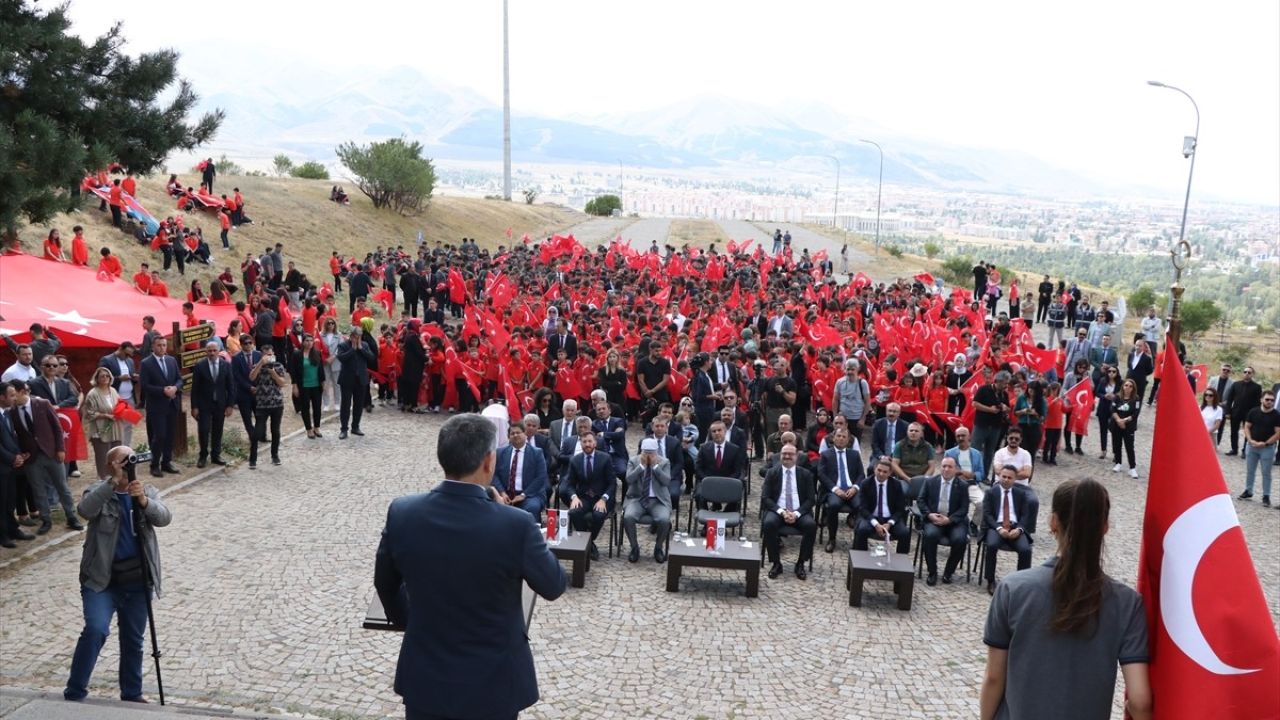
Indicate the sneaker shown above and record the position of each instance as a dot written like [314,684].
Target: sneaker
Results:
[1133,473]
[1246,494]
[1117,468]
[75,473]
[1266,501]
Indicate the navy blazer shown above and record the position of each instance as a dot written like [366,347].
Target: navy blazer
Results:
[570,347]
[699,389]
[450,569]
[209,394]
[9,447]
[879,436]
[896,502]
[533,475]
[773,490]
[958,506]
[157,373]
[1026,505]
[733,461]
[829,468]
[589,489]
[242,386]
[612,434]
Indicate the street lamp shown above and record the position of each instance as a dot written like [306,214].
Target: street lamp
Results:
[506,109]
[879,188]
[835,212]
[1182,251]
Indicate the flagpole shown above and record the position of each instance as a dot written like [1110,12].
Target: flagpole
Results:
[1181,252]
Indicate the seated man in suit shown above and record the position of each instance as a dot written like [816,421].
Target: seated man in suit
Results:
[733,432]
[562,427]
[648,498]
[672,450]
[521,475]
[787,499]
[532,428]
[449,599]
[611,437]
[883,510]
[572,443]
[840,472]
[719,458]
[887,431]
[1009,519]
[589,490]
[944,504]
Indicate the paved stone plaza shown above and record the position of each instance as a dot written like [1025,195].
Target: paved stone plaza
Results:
[267,574]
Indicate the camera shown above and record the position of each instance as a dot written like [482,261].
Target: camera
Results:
[136,458]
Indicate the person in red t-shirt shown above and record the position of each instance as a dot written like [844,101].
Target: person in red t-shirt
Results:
[237,218]
[309,316]
[1054,421]
[335,269]
[116,200]
[129,185]
[224,220]
[79,248]
[362,312]
[157,287]
[142,279]
[110,264]
[53,247]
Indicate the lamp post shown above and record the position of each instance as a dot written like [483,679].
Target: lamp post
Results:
[879,188]
[506,109]
[835,212]
[1181,252]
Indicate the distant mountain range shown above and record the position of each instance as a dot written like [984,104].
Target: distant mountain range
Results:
[308,119]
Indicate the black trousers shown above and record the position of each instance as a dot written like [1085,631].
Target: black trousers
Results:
[411,714]
[770,528]
[246,416]
[266,418]
[1021,545]
[1123,437]
[835,506]
[160,417]
[586,519]
[115,215]
[1236,422]
[956,536]
[1049,451]
[209,430]
[337,283]
[900,532]
[8,498]
[409,386]
[1042,310]
[411,304]
[351,405]
[310,398]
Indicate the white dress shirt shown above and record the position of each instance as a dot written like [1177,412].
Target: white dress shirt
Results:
[789,489]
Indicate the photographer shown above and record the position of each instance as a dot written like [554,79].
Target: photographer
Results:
[112,576]
[268,377]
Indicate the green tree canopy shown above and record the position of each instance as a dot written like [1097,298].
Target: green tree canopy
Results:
[310,170]
[603,205]
[393,173]
[1199,315]
[68,108]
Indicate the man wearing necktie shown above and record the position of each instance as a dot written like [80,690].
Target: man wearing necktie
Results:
[11,460]
[883,510]
[944,504]
[589,491]
[840,470]
[162,386]
[521,473]
[648,498]
[787,500]
[1009,516]
[211,402]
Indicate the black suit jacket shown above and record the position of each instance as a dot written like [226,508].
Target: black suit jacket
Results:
[156,374]
[737,435]
[210,394]
[773,490]
[9,447]
[1140,372]
[958,508]
[66,396]
[355,363]
[733,461]
[570,346]
[462,609]
[829,468]
[1025,505]
[590,488]
[880,435]
[735,377]
[896,501]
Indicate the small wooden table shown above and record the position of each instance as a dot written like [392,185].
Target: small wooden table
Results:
[893,567]
[375,618]
[733,557]
[574,549]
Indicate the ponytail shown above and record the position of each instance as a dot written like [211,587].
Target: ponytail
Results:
[1082,507]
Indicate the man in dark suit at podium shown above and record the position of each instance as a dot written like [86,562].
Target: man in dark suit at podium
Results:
[450,569]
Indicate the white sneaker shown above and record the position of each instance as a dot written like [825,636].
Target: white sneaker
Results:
[1117,468]
[1133,473]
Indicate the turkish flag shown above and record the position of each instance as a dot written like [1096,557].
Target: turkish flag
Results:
[1082,400]
[925,279]
[1213,646]
[735,297]
[1042,360]
[124,411]
[77,447]
[1200,373]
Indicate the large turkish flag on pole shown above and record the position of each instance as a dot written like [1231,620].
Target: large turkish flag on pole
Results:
[1214,651]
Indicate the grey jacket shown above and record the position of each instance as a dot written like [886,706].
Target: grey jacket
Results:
[636,487]
[100,508]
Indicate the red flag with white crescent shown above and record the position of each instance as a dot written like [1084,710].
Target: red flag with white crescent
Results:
[1082,400]
[1211,638]
[77,447]
[1200,374]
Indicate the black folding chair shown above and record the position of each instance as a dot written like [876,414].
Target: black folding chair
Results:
[723,490]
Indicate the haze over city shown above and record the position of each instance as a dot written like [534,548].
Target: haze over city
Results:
[1065,86]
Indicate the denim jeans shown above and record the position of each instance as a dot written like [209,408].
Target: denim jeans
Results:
[131,604]
[1253,457]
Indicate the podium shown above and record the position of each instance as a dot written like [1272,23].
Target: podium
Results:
[375,618]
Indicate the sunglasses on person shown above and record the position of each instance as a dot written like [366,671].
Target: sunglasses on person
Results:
[52,365]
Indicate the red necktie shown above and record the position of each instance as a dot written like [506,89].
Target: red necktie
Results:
[719,457]
[515,461]
[1005,523]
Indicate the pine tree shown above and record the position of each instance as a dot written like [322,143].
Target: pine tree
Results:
[68,108]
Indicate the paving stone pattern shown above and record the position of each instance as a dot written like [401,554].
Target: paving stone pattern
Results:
[267,574]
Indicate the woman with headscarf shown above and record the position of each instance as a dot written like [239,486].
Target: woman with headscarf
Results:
[414,364]
[956,378]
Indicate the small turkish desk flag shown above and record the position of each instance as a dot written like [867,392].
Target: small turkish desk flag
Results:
[1214,650]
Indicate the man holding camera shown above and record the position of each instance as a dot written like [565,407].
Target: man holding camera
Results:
[121,562]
